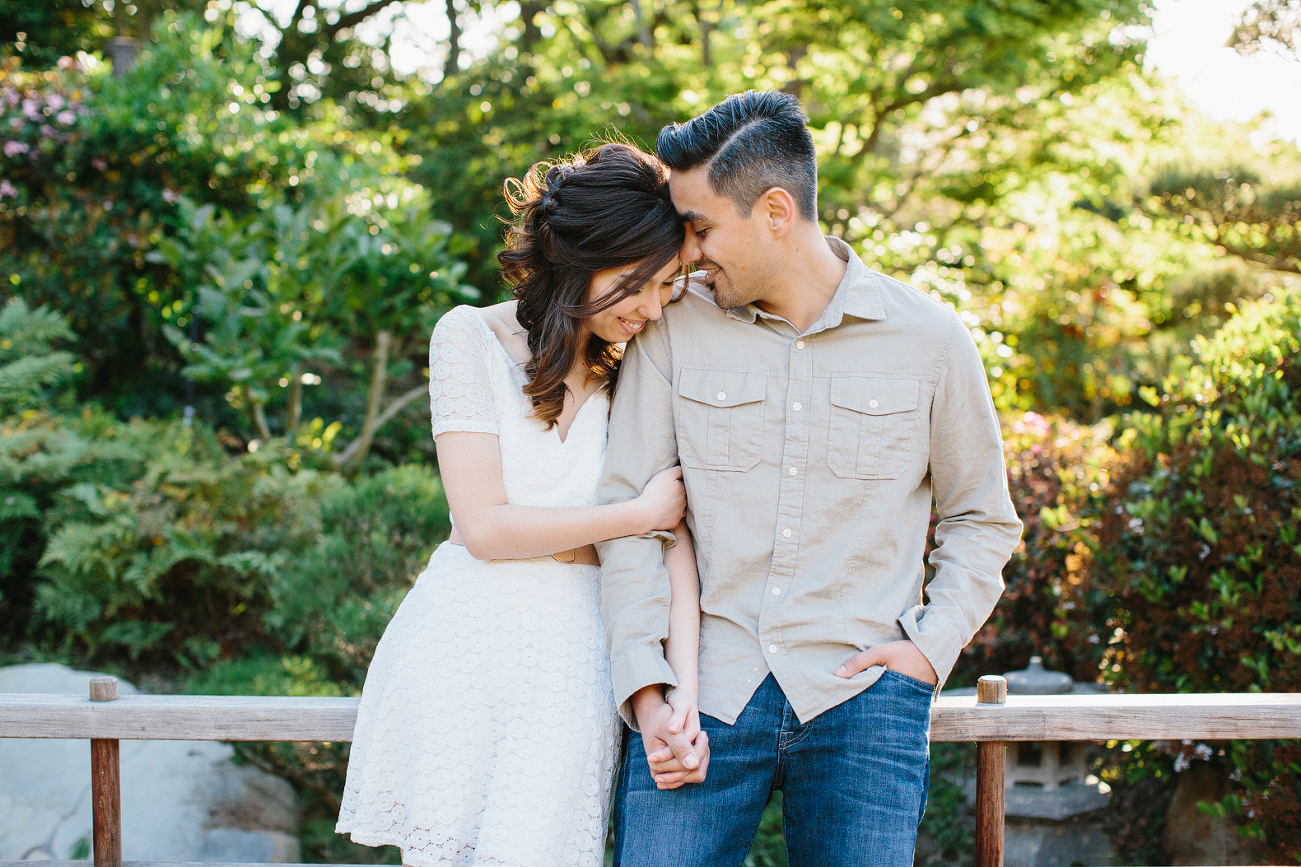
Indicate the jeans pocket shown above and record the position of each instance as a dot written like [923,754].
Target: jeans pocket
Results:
[908,680]
[720,419]
[872,426]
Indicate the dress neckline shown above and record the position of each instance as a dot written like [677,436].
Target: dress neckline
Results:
[517,367]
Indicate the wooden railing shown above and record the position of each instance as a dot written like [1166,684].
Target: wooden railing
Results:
[991,719]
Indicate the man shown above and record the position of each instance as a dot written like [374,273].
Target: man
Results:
[818,408]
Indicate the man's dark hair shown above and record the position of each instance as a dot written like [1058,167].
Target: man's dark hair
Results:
[752,142]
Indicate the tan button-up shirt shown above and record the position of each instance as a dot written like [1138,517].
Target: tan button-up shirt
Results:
[810,462]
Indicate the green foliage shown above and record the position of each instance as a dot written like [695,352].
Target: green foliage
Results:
[40,453]
[360,268]
[96,190]
[29,366]
[1251,216]
[328,607]
[377,534]
[174,567]
[1049,607]
[92,225]
[1198,541]
[911,105]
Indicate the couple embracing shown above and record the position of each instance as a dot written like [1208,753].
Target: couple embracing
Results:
[726,550]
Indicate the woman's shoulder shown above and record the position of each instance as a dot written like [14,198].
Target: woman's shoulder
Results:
[482,327]
[501,321]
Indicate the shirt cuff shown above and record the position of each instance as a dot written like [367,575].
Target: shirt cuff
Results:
[639,666]
[937,642]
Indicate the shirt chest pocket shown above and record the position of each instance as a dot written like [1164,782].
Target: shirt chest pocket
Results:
[720,419]
[873,425]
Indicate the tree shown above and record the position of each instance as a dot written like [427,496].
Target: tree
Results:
[1269,24]
[1247,215]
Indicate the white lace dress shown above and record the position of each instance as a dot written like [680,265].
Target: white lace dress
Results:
[487,729]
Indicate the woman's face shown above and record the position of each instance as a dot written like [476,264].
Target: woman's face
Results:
[626,319]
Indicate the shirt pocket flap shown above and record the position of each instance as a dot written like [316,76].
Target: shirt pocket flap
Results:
[723,388]
[873,396]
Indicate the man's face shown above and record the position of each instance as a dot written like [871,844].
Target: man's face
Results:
[735,251]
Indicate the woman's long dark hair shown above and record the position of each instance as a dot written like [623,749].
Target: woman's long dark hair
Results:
[608,208]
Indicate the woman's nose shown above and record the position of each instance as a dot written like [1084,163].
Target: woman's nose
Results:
[652,306]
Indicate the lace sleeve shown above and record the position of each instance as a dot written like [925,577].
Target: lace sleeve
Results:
[460,384]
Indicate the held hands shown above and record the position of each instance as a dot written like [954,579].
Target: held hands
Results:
[675,757]
[664,500]
[902,656]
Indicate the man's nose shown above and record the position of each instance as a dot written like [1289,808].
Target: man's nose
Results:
[691,249]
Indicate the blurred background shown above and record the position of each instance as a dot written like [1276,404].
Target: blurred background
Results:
[227,228]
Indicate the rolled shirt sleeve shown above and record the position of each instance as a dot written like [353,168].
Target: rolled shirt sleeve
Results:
[978,527]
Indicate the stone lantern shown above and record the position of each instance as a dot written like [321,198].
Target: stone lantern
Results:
[1050,799]
[1046,765]
[1050,796]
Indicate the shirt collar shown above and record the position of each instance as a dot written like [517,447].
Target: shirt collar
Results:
[858,295]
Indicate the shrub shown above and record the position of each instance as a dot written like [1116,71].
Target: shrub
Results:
[1049,607]
[1200,544]
[328,609]
[377,534]
[173,566]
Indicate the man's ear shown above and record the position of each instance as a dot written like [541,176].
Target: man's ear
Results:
[779,211]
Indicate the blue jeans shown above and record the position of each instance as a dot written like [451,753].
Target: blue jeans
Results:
[853,780]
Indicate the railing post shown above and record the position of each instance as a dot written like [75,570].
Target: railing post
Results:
[105,785]
[991,767]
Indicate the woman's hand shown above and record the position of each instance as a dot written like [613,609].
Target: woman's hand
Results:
[674,758]
[686,716]
[664,500]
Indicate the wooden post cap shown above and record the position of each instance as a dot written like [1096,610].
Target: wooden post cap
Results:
[103,688]
[991,689]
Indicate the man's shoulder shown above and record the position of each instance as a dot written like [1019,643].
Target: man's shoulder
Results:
[906,301]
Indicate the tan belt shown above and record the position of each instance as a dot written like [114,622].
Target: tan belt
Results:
[584,556]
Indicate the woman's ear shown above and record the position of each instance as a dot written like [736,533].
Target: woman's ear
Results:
[779,211]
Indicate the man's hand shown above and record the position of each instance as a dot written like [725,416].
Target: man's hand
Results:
[674,757]
[901,656]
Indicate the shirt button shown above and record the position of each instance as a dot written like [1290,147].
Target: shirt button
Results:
[797,406]
[776,591]
[772,648]
[794,471]
[799,344]
[786,533]
[722,395]
[871,403]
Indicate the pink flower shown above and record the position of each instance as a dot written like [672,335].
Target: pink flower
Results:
[54,101]
[67,117]
[170,195]
[47,131]
[14,148]
[16,122]
[32,109]
[7,189]
[1031,422]
[99,164]
[11,96]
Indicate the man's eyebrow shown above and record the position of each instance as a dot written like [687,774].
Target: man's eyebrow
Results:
[691,217]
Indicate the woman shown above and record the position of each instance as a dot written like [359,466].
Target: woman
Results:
[487,730]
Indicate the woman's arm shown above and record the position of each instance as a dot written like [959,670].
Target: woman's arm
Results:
[493,529]
[682,653]
[682,650]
